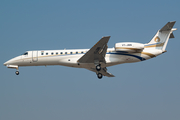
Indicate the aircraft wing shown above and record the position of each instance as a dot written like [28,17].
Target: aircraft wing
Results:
[102,71]
[96,53]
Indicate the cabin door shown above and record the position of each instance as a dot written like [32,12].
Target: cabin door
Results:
[34,56]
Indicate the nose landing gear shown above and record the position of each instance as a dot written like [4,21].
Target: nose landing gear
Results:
[17,72]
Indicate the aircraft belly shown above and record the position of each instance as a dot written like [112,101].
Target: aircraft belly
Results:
[114,59]
[69,60]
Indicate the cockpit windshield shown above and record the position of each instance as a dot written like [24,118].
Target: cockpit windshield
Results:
[26,53]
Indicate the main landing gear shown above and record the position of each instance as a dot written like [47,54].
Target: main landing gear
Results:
[99,75]
[98,68]
[17,71]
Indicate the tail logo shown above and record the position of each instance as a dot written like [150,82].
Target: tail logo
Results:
[157,39]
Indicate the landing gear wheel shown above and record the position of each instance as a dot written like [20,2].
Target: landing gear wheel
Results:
[17,72]
[98,67]
[99,75]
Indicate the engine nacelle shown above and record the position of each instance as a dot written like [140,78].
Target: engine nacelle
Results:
[129,47]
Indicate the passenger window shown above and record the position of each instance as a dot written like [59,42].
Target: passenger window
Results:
[82,52]
[71,52]
[46,53]
[76,52]
[65,52]
[42,53]
[61,52]
[52,53]
[57,53]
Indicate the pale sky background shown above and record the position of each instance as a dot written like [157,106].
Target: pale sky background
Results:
[148,90]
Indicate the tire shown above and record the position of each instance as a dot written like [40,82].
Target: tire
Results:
[98,67]
[17,72]
[99,75]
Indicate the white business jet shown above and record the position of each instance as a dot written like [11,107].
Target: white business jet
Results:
[99,56]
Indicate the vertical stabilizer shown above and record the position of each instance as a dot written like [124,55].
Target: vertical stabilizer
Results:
[161,38]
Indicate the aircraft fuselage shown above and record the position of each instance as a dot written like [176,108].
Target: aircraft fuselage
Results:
[99,57]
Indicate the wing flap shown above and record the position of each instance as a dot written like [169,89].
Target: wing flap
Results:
[106,73]
[103,71]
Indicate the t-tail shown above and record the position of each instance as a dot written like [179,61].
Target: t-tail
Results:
[161,38]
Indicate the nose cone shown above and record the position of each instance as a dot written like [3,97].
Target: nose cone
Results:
[8,62]
[5,63]
[13,61]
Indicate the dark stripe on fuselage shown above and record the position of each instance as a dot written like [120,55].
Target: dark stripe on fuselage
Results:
[138,57]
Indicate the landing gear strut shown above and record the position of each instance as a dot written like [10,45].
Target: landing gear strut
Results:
[17,72]
[99,75]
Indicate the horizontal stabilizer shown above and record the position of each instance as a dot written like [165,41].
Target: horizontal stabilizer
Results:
[171,35]
[168,26]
